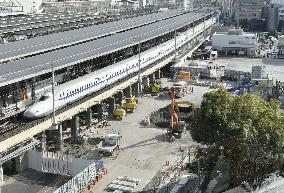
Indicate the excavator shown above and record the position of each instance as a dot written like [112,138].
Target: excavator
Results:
[174,122]
[176,125]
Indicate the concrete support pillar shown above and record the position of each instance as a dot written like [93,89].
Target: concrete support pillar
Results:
[33,95]
[100,111]
[158,74]
[111,105]
[89,115]
[1,176]
[128,92]
[21,162]
[146,82]
[75,129]
[119,97]
[136,89]
[43,142]
[59,139]
[152,78]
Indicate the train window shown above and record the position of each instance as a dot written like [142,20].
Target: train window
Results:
[43,98]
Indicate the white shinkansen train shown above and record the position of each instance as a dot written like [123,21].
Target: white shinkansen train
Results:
[78,88]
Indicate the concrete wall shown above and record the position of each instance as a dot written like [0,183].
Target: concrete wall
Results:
[34,160]
[51,162]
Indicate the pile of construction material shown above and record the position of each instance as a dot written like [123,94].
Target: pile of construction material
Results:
[161,117]
[123,184]
[218,85]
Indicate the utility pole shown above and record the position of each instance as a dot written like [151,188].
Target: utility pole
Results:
[175,44]
[198,171]
[139,60]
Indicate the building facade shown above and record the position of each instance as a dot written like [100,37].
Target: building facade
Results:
[246,10]
[234,41]
[77,6]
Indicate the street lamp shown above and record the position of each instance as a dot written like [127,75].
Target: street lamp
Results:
[175,44]
[139,60]
[53,97]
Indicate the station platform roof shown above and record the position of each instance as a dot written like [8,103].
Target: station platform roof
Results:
[23,22]
[14,50]
[18,70]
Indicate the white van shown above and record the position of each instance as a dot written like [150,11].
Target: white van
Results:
[213,55]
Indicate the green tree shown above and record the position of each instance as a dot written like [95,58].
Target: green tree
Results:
[249,129]
[272,33]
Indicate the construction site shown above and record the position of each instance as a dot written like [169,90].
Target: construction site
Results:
[112,117]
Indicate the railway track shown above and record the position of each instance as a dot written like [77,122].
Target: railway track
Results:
[18,125]
[21,124]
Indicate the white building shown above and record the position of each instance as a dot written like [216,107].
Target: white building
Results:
[234,40]
[21,6]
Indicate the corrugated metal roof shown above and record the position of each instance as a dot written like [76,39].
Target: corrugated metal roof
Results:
[15,71]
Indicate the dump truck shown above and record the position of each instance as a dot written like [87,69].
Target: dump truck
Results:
[130,104]
[109,144]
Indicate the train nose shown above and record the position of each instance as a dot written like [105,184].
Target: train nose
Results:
[30,114]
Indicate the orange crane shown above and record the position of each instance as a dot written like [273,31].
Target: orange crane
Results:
[174,116]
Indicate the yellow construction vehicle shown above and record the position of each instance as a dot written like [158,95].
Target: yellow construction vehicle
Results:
[155,89]
[130,104]
[119,112]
